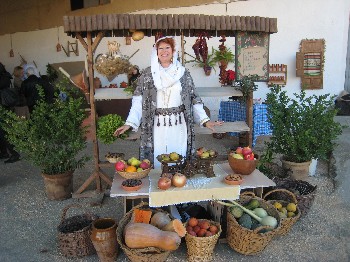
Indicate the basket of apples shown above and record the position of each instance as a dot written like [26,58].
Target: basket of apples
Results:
[243,161]
[201,238]
[133,168]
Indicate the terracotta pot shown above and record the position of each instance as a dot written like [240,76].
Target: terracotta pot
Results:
[242,166]
[299,171]
[104,239]
[60,186]
[207,70]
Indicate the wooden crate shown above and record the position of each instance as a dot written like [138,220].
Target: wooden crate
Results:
[131,201]
[218,213]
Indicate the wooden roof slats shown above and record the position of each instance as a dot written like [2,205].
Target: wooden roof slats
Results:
[191,23]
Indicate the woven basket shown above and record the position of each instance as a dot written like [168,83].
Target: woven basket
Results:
[246,241]
[284,197]
[134,175]
[149,254]
[202,248]
[74,234]
[304,192]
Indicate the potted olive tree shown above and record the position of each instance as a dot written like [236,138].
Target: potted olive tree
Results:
[303,129]
[52,138]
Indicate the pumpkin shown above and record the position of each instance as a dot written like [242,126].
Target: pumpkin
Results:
[140,235]
[176,226]
[142,215]
[160,220]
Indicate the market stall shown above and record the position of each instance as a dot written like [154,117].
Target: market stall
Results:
[89,30]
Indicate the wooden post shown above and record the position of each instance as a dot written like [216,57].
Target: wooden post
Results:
[249,114]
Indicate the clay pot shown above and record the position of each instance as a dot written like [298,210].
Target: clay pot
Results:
[104,239]
[299,171]
[60,186]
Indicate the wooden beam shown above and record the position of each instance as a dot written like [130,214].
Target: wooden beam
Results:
[82,41]
[97,41]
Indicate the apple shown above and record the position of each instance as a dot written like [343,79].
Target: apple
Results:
[164,183]
[135,162]
[205,154]
[144,165]
[237,156]
[174,156]
[139,169]
[147,161]
[212,152]
[120,165]
[178,180]
[239,150]
[246,150]
[200,151]
[131,159]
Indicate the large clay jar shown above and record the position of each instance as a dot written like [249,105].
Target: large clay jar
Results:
[104,239]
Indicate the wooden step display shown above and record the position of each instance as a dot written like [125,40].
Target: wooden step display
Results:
[277,74]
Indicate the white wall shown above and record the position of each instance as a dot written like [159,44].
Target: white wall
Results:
[296,20]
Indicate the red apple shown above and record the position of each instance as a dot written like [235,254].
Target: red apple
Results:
[178,180]
[249,156]
[120,165]
[246,150]
[164,183]
[144,165]
[239,150]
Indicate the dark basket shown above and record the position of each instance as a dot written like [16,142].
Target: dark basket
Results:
[74,234]
[304,192]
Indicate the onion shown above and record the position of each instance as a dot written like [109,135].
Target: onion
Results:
[164,183]
[178,180]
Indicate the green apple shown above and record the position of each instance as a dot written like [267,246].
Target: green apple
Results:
[135,162]
[131,159]
[205,154]
[139,169]
[174,156]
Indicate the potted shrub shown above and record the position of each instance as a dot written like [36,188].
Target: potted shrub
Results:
[207,64]
[52,139]
[302,128]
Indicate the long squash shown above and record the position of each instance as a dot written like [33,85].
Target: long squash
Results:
[140,235]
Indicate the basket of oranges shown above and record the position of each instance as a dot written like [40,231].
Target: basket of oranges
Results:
[133,168]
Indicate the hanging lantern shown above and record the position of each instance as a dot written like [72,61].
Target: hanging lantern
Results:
[137,35]
[128,40]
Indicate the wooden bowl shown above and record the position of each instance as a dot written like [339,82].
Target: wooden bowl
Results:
[241,166]
[233,182]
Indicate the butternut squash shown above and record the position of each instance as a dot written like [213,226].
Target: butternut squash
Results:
[160,219]
[140,235]
[142,215]
[176,226]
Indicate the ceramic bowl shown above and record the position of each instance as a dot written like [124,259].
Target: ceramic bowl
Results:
[233,179]
[132,188]
[242,166]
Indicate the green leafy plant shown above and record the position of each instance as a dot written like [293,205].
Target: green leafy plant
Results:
[247,85]
[209,62]
[106,125]
[302,128]
[53,136]
[223,55]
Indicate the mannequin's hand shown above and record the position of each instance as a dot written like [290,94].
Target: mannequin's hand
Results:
[121,130]
[211,125]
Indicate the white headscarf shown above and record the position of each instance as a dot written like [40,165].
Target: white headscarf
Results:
[163,79]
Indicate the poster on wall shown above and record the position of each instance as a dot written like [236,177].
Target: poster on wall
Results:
[252,55]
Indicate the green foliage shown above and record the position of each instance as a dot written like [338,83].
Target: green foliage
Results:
[51,73]
[223,55]
[302,128]
[106,125]
[210,61]
[53,136]
[247,85]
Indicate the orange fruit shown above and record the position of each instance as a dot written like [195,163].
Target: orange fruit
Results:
[130,169]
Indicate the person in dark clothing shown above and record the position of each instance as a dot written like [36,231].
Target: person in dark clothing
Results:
[6,149]
[48,89]
[29,89]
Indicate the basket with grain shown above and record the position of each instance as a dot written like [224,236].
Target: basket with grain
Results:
[247,241]
[280,198]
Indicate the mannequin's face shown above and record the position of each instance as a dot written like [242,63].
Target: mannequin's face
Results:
[165,53]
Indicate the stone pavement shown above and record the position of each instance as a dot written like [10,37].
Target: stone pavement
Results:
[28,220]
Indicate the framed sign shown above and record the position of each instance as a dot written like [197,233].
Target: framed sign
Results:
[252,55]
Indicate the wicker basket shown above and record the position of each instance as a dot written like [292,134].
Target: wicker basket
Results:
[134,175]
[74,234]
[202,248]
[304,192]
[284,197]
[149,254]
[246,241]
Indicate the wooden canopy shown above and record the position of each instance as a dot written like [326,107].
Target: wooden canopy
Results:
[174,24]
